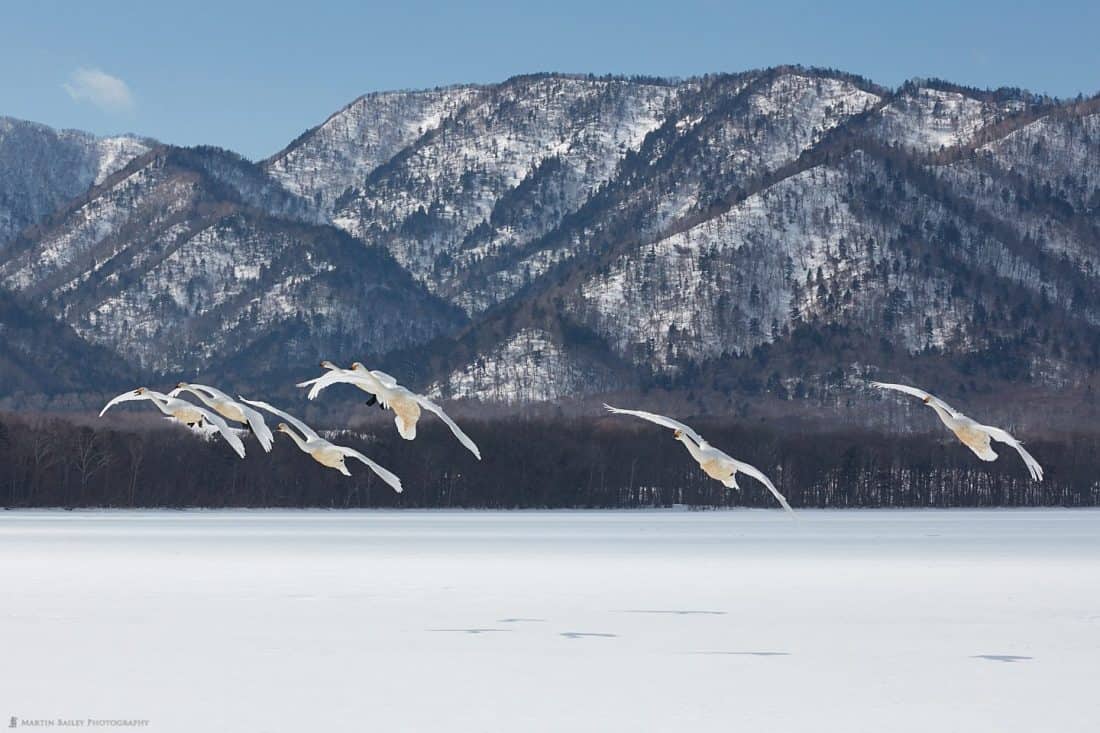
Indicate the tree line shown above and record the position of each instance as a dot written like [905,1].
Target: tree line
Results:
[542,462]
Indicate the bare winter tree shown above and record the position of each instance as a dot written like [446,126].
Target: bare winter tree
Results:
[91,455]
[135,451]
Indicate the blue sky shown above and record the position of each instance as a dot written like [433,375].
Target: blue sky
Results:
[252,76]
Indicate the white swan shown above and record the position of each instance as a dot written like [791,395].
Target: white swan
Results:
[230,409]
[185,412]
[973,435]
[390,395]
[716,464]
[323,451]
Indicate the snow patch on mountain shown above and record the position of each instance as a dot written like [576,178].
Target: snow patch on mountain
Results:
[42,169]
[341,152]
[930,119]
[528,367]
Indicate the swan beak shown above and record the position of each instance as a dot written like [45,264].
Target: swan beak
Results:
[676,434]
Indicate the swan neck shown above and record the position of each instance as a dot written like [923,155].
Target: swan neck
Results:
[946,418]
[690,445]
[202,396]
[294,436]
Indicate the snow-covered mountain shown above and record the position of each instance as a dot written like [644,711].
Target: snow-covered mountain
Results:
[171,266]
[771,234]
[42,169]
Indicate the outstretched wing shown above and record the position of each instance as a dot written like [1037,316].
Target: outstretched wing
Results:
[918,393]
[213,392]
[363,380]
[757,474]
[388,476]
[259,428]
[124,397]
[304,429]
[230,435]
[462,437]
[1002,436]
[667,422]
[385,379]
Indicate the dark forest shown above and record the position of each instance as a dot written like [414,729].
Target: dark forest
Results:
[581,462]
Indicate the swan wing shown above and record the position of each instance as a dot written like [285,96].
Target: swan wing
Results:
[1002,436]
[462,437]
[385,379]
[327,379]
[388,476]
[259,428]
[363,380]
[667,422]
[194,390]
[756,473]
[228,433]
[918,393]
[304,429]
[213,392]
[130,396]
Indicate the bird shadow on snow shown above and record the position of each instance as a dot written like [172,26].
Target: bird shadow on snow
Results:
[469,631]
[674,612]
[521,620]
[1001,657]
[744,654]
[584,634]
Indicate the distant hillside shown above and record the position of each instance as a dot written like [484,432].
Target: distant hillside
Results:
[743,242]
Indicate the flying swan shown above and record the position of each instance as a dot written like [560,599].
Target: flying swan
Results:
[972,434]
[385,390]
[322,451]
[230,409]
[715,463]
[185,412]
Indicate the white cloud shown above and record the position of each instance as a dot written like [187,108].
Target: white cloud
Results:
[107,92]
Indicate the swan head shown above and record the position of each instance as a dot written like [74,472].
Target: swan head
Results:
[283,427]
[358,366]
[677,434]
[181,385]
[140,391]
[927,399]
[326,364]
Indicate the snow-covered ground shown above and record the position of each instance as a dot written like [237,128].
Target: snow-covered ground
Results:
[551,621]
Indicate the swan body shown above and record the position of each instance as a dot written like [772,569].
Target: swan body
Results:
[971,433]
[181,410]
[323,451]
[717,464]
[230,409]
[406,405]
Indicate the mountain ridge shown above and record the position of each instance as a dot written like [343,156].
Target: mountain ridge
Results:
[565,236]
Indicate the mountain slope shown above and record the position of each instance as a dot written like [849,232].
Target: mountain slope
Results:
[170,264]
[769,236]
[40,356]
[42,169]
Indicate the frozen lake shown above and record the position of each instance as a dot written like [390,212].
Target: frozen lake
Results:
[551,621]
